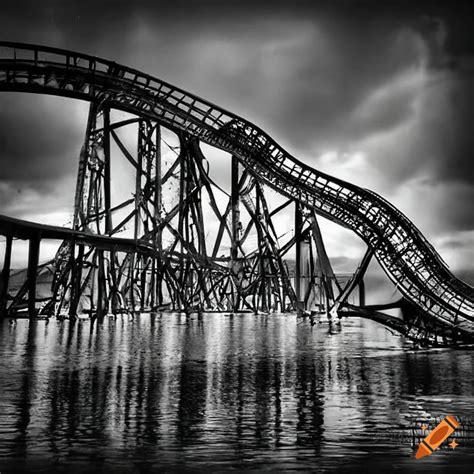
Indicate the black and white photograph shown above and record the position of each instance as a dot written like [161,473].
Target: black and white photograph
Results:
[236,236]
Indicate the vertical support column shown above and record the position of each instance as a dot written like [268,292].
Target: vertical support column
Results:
[138,179]
[103,295]
[202,276]
[5,276]
[157,272]
[361,292]
[298,269]
[107,175]
[101,291]
[328,278]
[235,207]
[182,221]
[158,190]
[33,259]
[92,202]
[234,250]
[195,164]
[76,278]
[114,291]
[131,281]
[262,247]
[79,198]
[136,260]
[73,283]
[143,284]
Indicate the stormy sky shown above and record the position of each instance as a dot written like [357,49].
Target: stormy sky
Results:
[378,96]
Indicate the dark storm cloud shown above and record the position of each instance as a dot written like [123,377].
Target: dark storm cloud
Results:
[438,207]
[38,141]
[451,131]
[434,140]
[304,69]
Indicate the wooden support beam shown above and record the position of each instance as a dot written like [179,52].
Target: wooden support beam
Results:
[157,273]
[138,181]
[107,171]
[235,207]
[235,231]
[131,281]
[5,275]
[114,290]
[298,240]
[223,218]
[32,271]
[82,170]
[183,208]
[279,286]
[143,283]
[262,248]
[357,279]
[76,279]
[124,150]
[196,204]
[326,267]
[361,292]
[101,290]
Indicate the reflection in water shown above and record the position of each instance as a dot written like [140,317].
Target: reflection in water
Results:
[224,391]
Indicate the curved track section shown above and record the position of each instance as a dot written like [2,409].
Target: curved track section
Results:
[406,256]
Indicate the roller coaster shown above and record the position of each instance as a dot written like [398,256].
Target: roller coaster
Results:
[167,262]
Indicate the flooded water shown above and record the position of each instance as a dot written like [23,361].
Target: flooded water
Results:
[170,393]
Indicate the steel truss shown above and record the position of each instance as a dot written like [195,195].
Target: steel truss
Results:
[96,273]
[188,272]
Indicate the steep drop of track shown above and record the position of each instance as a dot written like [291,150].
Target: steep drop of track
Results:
[406,256]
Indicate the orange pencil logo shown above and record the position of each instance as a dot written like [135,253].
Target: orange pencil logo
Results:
[436,437]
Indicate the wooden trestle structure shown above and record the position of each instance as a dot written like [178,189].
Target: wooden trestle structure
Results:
[168,260]
[174,239]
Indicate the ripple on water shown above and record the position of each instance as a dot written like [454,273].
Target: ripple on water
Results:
[240,392]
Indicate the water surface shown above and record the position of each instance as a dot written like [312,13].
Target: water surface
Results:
[171,393]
